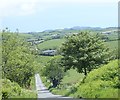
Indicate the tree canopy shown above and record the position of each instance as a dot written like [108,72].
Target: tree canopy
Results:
[17,59]
[54,71]
[84,51]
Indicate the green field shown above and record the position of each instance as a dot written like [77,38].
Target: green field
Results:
[113,36]
[25,35]
[72,77]
[112,44]
[56,43]
[51,44]
[43,59]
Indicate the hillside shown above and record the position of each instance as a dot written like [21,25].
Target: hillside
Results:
[100,83]
[59,33]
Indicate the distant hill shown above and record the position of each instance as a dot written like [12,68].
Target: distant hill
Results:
[83,28]
[60,33]
[76,28]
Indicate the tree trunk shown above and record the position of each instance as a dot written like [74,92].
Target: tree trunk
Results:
[85,71]
[54,82]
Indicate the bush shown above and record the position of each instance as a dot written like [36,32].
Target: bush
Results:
[10,89]
[100,83]
[108,72]
[13,90]
[17,59]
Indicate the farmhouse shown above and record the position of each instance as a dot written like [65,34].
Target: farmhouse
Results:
[49,52]
[55,36]
[35,41]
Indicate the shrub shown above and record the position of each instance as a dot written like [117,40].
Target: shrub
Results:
[13,90]
[100,83]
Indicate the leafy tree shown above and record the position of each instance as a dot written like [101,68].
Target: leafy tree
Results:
[84,51]
[54,71]
[17,59]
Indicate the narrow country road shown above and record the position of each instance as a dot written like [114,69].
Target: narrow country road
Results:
[42,91]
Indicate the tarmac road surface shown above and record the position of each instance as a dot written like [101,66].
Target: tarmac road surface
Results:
[42,91]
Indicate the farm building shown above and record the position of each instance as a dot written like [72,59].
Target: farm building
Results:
[49,52]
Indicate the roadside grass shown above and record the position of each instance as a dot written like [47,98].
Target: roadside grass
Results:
[41,63]
[113,46]
[71,79]
[33,84]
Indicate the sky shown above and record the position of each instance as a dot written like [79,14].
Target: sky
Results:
[40,15]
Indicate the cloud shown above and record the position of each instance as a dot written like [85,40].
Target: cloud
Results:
[17,7]
[29,7]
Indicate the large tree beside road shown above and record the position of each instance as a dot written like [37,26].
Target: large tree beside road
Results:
[84,51]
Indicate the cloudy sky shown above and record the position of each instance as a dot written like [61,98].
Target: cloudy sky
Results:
[39,15]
